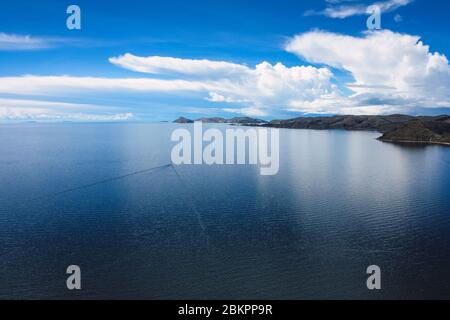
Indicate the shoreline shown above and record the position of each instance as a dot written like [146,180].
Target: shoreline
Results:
[415,142]
[396,128]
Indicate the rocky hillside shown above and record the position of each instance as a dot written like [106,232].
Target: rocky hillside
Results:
[395,128]
[378,123]
[420,132]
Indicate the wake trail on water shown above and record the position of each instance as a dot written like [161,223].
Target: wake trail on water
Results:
[93,184]
[192,204]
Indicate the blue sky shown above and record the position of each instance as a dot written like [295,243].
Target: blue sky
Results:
[156,60]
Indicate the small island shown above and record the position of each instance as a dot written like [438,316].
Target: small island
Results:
[394,128]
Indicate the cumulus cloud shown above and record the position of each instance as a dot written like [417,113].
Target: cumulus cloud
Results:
[392,73]
[389,68]
[215,97]
[265,86]
[268,86]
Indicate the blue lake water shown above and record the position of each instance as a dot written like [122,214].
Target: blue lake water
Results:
[85,194]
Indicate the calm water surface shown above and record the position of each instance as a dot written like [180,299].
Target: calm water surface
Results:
[82,194]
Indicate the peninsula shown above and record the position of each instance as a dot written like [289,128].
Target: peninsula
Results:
[394,128]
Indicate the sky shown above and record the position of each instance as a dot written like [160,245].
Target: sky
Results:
[157,60]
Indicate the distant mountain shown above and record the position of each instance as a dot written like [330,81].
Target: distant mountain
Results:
[379,123]
[246,120]
[395,128]
[212,120]
[237,120]
[183,120]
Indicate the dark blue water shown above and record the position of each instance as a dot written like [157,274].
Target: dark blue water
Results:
[81,194]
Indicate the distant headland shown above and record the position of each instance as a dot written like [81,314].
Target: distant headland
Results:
[394,128]
[236,120]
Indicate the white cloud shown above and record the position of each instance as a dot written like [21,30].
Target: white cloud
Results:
[59,85]
[338,104]
[342,11]
[164,65]
[21,42]
[26,103]
[23,109]
[36,114]
[249,112]
[215,97]
[265,86]
[390,69]
[259,89]
[17,42]
[391,72]
[270,86]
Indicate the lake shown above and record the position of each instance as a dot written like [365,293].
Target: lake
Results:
[104,197]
